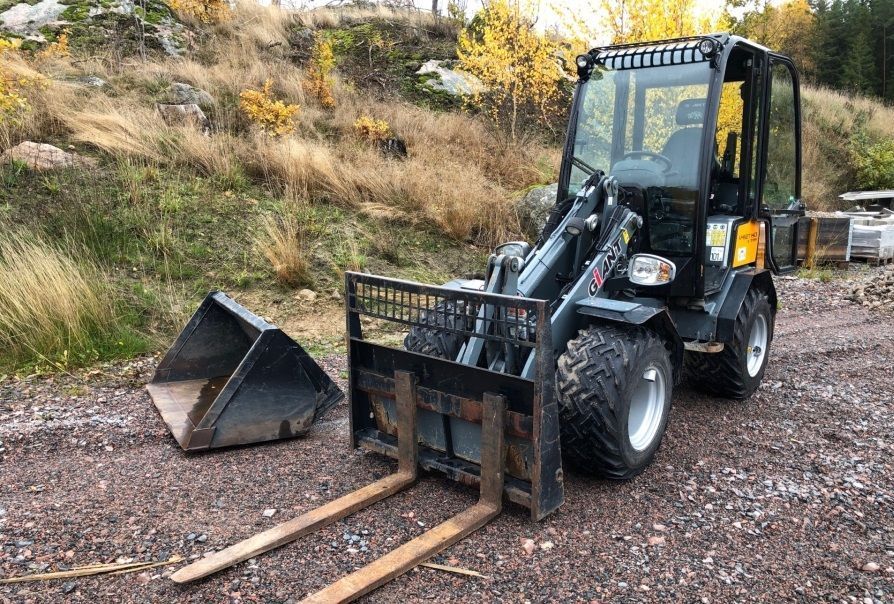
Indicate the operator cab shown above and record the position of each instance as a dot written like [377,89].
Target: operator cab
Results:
[678,124]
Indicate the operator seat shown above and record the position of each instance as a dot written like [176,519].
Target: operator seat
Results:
[682,148]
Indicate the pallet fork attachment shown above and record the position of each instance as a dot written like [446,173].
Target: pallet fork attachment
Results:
[483,427]
[407,556]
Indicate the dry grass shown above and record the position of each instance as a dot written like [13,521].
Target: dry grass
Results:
[119,129]
[421,20]
[835,107]
[281,240]
[36,88]
[830,120]
[460,177]
[50,303]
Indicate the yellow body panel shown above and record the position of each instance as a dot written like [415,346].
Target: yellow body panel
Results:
[745,250]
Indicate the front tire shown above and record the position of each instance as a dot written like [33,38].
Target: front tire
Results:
[435,342]
[614,386]
[737,370]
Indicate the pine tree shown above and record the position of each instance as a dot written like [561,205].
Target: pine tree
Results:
[882,20]
[857,72]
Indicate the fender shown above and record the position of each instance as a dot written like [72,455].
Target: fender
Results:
[743,281]
[656,318]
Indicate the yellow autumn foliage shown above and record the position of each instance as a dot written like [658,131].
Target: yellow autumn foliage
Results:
[204,11]
[516,64]
[14,88]
[371,129]
[645,20]
[273,116]
[319,72]
[59,48]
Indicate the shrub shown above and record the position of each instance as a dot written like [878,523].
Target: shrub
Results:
[515,63]
[371,129]
[273,116]
[15,85]
[319,72]
[59,48]
[204,11]
[873,161]
[281,240]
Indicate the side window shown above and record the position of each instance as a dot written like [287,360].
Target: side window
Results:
[780,184]
[729,122]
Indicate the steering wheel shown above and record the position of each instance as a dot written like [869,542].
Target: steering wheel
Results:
[651,155]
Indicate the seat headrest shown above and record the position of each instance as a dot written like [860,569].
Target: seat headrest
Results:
[691,111]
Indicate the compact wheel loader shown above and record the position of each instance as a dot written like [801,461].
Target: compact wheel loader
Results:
[678,198]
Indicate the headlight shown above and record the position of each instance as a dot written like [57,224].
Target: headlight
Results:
[646,269]
[516,249]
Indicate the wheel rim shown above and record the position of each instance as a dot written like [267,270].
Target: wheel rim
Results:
[757,345]
[646,408]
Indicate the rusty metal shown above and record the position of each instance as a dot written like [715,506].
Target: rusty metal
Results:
[381,387]
[404,558]
[450,394]
[332,511]
[232,378]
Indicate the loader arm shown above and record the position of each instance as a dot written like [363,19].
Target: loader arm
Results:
[592,256]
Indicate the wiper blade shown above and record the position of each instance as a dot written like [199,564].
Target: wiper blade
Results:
[575,161]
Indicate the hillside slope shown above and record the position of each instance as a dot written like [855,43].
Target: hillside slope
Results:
[169,211]
[168,205]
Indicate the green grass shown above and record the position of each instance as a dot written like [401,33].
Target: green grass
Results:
[163,237]
[57,308]
[817,273]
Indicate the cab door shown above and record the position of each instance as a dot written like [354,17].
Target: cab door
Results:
[780,204]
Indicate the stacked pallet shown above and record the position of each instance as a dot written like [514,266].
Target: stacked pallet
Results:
[833,232]
[873,237]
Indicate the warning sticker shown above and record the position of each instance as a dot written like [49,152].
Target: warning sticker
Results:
[716,235]
[717,254]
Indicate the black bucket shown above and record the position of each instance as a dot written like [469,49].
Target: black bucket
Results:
[232,378]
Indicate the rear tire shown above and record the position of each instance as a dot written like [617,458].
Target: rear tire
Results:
[614,385]
[438,342]
[737,371]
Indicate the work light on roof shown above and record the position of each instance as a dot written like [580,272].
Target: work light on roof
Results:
[708,47]
[584,63]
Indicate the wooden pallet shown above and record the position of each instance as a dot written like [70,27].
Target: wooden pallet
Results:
[874,260]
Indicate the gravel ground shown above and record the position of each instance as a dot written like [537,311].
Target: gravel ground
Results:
[785,497]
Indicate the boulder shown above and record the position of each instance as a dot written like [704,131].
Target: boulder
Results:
[451,81]
[41,156]
[306,295]
[91,80]
[393,147]
[184,94]
[534,207]
[26,19]
[122,23]
[184,115]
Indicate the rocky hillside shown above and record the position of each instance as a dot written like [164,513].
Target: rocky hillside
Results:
[170,151]
[264,155]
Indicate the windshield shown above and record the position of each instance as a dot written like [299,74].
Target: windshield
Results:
[644,126]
